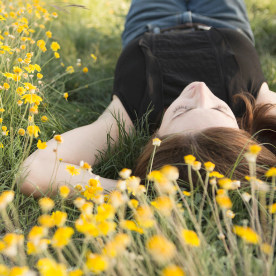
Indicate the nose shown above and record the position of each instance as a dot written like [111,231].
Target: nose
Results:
[203,95]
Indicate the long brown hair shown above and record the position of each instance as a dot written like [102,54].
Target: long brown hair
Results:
[222,146]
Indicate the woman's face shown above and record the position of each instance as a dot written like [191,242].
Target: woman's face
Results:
[195,109]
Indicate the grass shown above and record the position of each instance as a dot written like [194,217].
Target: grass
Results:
[95,27]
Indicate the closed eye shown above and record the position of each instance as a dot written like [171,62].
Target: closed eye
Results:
[185,109]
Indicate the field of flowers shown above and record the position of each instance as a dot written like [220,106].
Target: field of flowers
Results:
[57,65]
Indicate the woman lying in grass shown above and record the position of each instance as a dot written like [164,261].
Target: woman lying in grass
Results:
[194,64]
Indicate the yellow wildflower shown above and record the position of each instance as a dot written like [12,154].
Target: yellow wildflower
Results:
[72,170]
[272,208]
[20,90]
[133,203]
[160,248]
[76,272]
[57,55]
[54,14]
[196,166]
[92,192]
[172,270]
[96,263]
[39,76]
[36,233]
[50,267]
[59,218]
[55,46]
[230,214]
[58,138]
[19,271]
[65,95]
[78,187]
[29,55]
[170,172]
[16,78]
[6,198]
[5,132]
[252,153]
[79,202]
[41,145]
[209,166]
[8,75]
[225,183]
[17,70]
[133,184]
[105,211]
[31,98]
[33,130]
[44,119]
[116,246]
[213,181]
[33,109]
[144,216]
[49,34]
[224,201]
[6,86]
[64,191]
[221,192]
[190,237]
[131,225]
[46,204]
[117,199]
[2,110]
[255,149]
[157,176]
[86,208]
[163,204]
[94,57]
[27,61]
[266,248]
[271,172]
[156,142]
[106,227]
[4,270]
[85,166]
[247,234]
[85,70]
[186,193]
[62,237]
[37,247]
[9,244]
[70,69]
[125,173]
[189,159]
[41,44]
[46,221]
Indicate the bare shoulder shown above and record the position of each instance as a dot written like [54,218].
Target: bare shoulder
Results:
[267,96]
[116,110]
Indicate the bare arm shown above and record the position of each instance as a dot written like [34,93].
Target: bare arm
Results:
[267,96]
[39,170]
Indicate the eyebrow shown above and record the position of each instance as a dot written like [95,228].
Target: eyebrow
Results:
[187,110]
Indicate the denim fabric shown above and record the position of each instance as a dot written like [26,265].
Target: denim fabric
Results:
[153,15]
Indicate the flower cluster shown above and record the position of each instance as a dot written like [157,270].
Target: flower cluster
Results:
[126,229]
[26,45]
